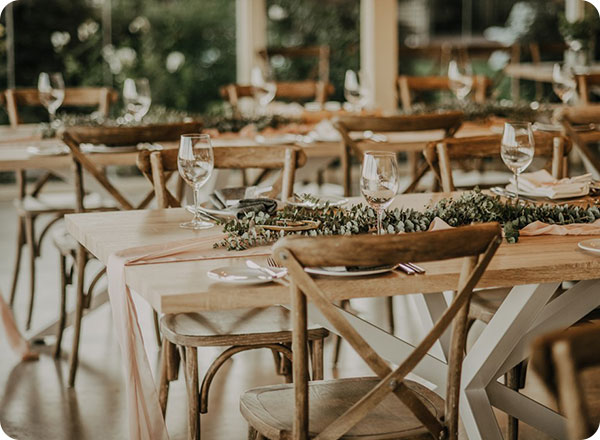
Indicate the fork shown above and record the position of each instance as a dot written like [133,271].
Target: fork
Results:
[272,263]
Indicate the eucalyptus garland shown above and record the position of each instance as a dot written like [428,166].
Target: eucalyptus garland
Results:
[471,207]
[476,111]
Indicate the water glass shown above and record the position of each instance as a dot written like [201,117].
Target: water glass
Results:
[195,163]
[51,90]
[518,148]
[379,181]
[460,82]
[563,83]
[263,91]
[355,92]
[137,98]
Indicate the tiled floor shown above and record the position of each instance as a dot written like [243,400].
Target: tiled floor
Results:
[36,404]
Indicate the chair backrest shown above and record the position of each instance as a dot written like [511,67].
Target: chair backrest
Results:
[476,244]
[156,165]
[320,53]
[448,122]
[101,97]
[582,125]
[117,136]
[440,154]
[560,358]
[292,90]
[585,82]
[408,85]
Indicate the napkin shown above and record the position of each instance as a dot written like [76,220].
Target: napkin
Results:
[253,205]
[542,184]
[324,131]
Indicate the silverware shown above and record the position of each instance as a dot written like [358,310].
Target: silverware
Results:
[271,262]
[511,195]
[416,268]
[406,269]
[371,136]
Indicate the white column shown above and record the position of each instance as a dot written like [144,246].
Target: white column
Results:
[251,36]
[379,50]
[574,10]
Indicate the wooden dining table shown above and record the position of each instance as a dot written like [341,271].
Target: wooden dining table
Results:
[533,269]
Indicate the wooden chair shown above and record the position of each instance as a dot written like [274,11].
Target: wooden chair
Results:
[582,125]
[308,90]
[585,82]
[365,407]
[408,86]
[448,122]
[34,205]
[319,53]
[74,137]
[560,358]
[100,97]
[440,154]
[240,330]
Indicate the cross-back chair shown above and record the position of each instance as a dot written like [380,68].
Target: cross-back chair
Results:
[440,154]
[74,137]
[238,330]
[409,86]
[307,90]
[582,125]
[560,359]
[34,205]
[585,83]
[448,122]
[388,406]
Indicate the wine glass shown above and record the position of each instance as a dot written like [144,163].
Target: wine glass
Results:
[137,98]
[563,83]
[195,164]
[460,82]
[51,90]
[263,90]
[518,148]
[355,92]
[379,181]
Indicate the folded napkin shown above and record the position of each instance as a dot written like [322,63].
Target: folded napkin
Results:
[542,184]
[324,131]
[245,206]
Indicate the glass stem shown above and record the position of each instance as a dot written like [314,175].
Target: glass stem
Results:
[517,187]
[196,203]
[379,221]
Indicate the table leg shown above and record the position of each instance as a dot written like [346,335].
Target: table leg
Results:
[430,308]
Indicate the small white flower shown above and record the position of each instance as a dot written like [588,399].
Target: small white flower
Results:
[277,13]
[210,56]
[87,29]
[59,40]
[174,61]
[139,24]
[126,56]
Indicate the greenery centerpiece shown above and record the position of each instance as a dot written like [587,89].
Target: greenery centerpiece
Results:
[471,207]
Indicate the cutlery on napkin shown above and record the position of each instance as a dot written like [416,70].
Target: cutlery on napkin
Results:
[542,184]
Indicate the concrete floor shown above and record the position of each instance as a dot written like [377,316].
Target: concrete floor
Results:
[35,402]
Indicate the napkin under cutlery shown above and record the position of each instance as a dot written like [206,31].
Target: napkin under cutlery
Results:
[542,184]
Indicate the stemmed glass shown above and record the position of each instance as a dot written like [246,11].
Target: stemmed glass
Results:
[195,163]
[518,148]
[379,181]
[137,98]
[263,90]
[563,83]
[355,92]
[460,82]
[51,89]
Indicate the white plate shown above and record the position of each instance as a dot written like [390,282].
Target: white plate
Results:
[333,201]
[340,271]
[276,140]
[592,245]
[244,275]
[48,150]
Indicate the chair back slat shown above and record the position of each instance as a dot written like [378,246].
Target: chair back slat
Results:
[292,90]
[407,85]
[585,81]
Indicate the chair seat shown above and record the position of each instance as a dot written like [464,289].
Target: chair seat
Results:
[63,241]
[253,326]
[270,410]
[60,203]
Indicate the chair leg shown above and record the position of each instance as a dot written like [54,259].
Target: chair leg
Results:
[338,340]
[63,309]
[191,381]
[30,238]
[390,310]
[80,263]
[163,385]
[512,379]
[253,434]
[20,244]
[317,359]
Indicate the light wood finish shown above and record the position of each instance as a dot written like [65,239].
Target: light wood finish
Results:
[307,90]
[296,253]
[409,85]
[154,165]
[242,329]
[448,122]
[584,83]
[575,120]
[169,288]
[560,359]
[439,155]
[101,97]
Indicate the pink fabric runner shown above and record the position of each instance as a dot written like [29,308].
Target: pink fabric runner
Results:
[145,417]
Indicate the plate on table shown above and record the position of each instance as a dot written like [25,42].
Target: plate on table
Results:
[245,275]
[591,245]
[310,201]
[342,271]
[209,208]
[284,139]
[48,150]
[91,148]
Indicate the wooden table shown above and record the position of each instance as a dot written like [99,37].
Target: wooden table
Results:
[535,266]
